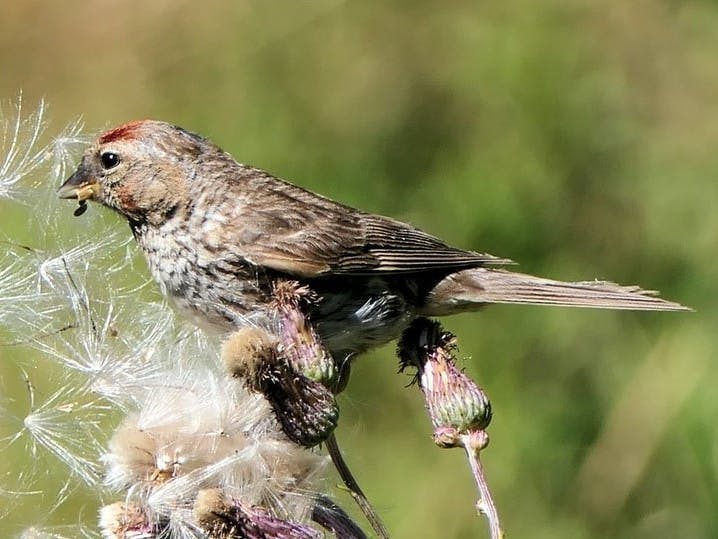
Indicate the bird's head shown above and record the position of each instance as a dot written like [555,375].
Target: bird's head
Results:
[140,169]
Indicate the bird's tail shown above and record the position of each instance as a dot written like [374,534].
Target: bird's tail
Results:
[472,288]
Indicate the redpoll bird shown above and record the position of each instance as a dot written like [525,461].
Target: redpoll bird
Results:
[217,234]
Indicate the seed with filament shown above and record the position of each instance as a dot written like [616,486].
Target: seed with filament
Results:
[82,208]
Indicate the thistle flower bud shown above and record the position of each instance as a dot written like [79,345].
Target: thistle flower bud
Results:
[459,409]
[455,403]
[224,518]
[306,409]
[299,342]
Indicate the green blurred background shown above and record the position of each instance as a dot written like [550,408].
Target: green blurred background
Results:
[577,138]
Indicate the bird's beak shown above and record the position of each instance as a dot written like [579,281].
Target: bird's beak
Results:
[79,186]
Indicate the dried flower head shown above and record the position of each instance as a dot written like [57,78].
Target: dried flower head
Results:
[127,521]
[222,517]
[200,429]
[246,350]
[306,409]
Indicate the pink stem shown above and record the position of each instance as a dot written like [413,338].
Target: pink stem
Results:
[485,504]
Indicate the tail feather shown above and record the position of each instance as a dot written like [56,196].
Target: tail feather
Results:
[475,287]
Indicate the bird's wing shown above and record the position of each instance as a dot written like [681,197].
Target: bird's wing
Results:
[390,246]
[298,232]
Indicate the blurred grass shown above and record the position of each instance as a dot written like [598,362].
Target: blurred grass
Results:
[578,139]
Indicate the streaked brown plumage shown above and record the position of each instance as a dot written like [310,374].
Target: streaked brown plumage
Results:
[217,233]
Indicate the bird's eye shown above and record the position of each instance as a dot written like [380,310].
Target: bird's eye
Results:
[109,160]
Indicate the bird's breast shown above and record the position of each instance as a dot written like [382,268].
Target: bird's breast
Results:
[220,290]
[215,289]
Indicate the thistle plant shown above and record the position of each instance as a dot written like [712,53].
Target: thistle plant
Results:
[290,367]
[298,376]
[176,433]
[142,412]
[459,409]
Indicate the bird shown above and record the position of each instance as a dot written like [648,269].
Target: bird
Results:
[217,235]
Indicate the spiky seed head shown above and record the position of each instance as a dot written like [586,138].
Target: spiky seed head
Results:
[245,350]
[224,518]
[212,513]
[307,410]
[126,521]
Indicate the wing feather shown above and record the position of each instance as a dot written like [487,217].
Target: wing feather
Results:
[288,229]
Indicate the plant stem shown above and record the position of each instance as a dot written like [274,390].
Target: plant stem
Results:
[485,504]
[354,489]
